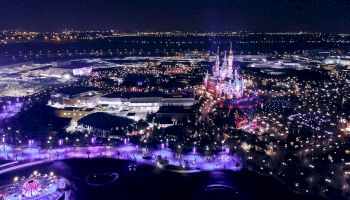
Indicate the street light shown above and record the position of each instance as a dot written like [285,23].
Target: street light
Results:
[15,179]
[4,144]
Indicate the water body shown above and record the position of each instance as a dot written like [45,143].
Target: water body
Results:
[148,182]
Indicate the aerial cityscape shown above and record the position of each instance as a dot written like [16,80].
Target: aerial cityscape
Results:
[92,107]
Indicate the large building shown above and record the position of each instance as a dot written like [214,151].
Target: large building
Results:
[75,99]
[225,80]
[77,104]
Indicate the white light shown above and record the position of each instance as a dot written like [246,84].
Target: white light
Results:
[66,76]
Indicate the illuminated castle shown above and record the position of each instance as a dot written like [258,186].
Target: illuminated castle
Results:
[226,80]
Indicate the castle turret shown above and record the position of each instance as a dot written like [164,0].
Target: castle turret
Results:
[206,79]
[223,68]
[237,73]
[229,70]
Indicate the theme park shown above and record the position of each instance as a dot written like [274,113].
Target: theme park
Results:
[187,100]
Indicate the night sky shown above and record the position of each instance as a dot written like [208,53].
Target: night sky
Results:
[170,15]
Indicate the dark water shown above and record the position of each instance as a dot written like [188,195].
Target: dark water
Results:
[148,182]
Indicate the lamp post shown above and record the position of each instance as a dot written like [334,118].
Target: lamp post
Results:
[4,144]
[60,142]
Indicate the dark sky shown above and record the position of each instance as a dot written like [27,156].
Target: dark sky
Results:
[169,15]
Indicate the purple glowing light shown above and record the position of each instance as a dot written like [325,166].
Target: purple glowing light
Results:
[30,142]
[10,110]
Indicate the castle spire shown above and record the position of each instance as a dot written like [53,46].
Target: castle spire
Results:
[206,78]
[223,68]
[230,63]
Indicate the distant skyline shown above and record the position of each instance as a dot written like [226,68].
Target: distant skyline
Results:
[183,15]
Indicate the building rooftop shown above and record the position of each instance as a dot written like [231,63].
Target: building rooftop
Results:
[105,121]
[174,109]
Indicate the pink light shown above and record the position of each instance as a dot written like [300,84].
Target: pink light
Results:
[31,188]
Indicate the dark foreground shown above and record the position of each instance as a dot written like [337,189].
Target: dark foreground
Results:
[105,178]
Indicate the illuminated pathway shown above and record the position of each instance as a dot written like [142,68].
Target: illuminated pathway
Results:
[192,162]
[208,103]
[207,108]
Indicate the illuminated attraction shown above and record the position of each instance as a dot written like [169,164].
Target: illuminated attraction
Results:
[226,80]
[37,186]
[31,188]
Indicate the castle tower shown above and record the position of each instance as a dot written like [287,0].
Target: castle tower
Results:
[237,73]
[230,63]
[230,92]
[206,79]
[223,68]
